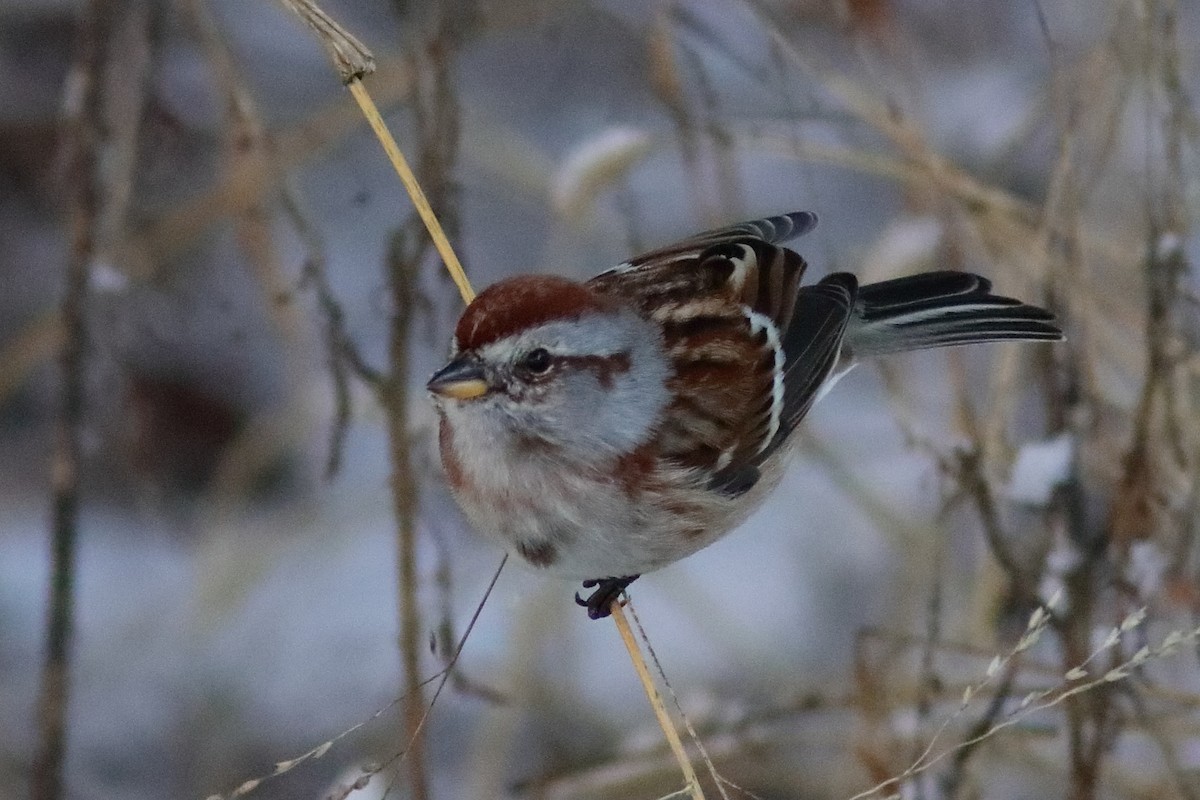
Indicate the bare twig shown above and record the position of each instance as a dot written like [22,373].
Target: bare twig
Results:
[437,149]
[667,84]
[341,352]
[154,244]
[436,110]
[247,147]
[968,471]
[687,723]
[441,641]
[1137,506]
[929,680]
[403,260]
[81,126]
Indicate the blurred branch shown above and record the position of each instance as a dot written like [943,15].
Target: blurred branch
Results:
[1157,434]
[928,679]
[435,110]
[247,148]
[81,134]
[667,84]
[967,471]
[367,105]
[143,252]
[148,249]
[441,641]
[402,266]
[35,345]
[951,781]
[1182,777]
[342,354]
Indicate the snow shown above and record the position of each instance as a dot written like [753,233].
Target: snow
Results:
[1039,469]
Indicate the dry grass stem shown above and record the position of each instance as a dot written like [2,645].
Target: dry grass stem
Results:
[420,202]
[454,266]
[692,783]
[350,57]
[441,676]
[718,779]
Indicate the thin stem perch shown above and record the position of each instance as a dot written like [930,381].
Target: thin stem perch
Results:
[656,701]
[454,266]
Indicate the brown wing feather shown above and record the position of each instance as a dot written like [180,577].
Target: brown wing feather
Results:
[700,291]
[708,264]
[716,395]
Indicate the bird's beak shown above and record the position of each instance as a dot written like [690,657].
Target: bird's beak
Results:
[461,379]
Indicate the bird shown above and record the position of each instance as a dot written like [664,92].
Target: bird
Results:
[603,429]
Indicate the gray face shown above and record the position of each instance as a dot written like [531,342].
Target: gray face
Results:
[587,388]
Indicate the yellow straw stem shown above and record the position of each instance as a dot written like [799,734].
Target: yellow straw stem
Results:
[656,701]
[468,294]
[352,61]
[420,202]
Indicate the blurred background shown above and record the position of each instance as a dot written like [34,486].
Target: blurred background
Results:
[217,314]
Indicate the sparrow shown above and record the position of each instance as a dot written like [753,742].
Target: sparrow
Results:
[604,429]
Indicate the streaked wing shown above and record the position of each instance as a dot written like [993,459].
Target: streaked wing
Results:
[741,263]
[771,230]
[810,349]
[725,300]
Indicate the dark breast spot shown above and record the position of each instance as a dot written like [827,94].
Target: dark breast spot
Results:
[635,469]
[538,553]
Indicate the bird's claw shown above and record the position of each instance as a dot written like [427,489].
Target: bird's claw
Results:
[608,590]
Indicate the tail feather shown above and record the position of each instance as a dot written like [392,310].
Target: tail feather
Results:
[923,287]
[940,309]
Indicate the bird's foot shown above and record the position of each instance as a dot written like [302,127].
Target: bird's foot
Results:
[608,590]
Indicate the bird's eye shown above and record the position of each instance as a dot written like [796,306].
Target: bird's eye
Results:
[537,361]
